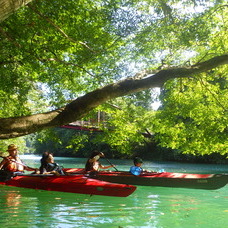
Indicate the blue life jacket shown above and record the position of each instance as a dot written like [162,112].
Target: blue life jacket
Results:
[135,170]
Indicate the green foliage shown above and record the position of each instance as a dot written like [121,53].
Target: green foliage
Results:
[194,115]
[124,126]
[54,51]
[64,142]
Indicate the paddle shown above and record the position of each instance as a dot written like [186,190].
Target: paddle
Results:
[19,163]
[111,164]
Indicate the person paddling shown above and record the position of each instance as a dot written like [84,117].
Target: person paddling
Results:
[137,169]
[93,163]
[12,163]
[49,166]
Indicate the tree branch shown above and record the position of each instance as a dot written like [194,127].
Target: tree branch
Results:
[19,126]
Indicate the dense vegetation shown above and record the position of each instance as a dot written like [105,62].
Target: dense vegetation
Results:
[76,143]
[54,53]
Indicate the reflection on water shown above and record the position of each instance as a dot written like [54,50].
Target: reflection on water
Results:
[13,200]
[10,203]
[152,207]
[157,207]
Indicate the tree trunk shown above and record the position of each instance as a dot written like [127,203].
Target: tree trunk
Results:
[8,7]
[19,126]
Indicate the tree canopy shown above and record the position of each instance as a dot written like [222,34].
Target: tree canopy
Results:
[60,60]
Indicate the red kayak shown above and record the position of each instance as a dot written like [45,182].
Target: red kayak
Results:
[72,183]
[164,179]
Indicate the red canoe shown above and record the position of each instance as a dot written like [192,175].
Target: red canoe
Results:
[74,184]
[164,179]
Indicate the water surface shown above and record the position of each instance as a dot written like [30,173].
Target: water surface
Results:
[154,207]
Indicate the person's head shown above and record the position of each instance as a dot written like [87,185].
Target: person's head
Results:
[95,153]
[50,158]
[12,149]
[137,161]
[47,157]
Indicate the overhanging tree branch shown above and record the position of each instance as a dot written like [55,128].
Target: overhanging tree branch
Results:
[8,7]
[19,126]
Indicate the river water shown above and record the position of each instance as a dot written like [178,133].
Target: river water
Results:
[152,207]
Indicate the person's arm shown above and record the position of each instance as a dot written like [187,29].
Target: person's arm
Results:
[106,167]
[23,165]
[30,169]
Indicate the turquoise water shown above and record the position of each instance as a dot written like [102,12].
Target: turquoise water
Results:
[153,207]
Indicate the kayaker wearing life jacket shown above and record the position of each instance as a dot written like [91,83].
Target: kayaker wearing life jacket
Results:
[136,169]
[12,163]
[48,165]
[93,163]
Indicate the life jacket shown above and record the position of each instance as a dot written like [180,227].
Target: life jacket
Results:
[48,167]
[92,166]
[135,170]
[13,164]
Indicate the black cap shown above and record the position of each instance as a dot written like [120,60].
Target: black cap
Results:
[138,160]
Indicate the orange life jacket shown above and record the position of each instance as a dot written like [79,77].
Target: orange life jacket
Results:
[13,164]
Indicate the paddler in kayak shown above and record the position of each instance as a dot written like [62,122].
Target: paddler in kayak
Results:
[49,166]
[12,163]
[137,169]
[93,163]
